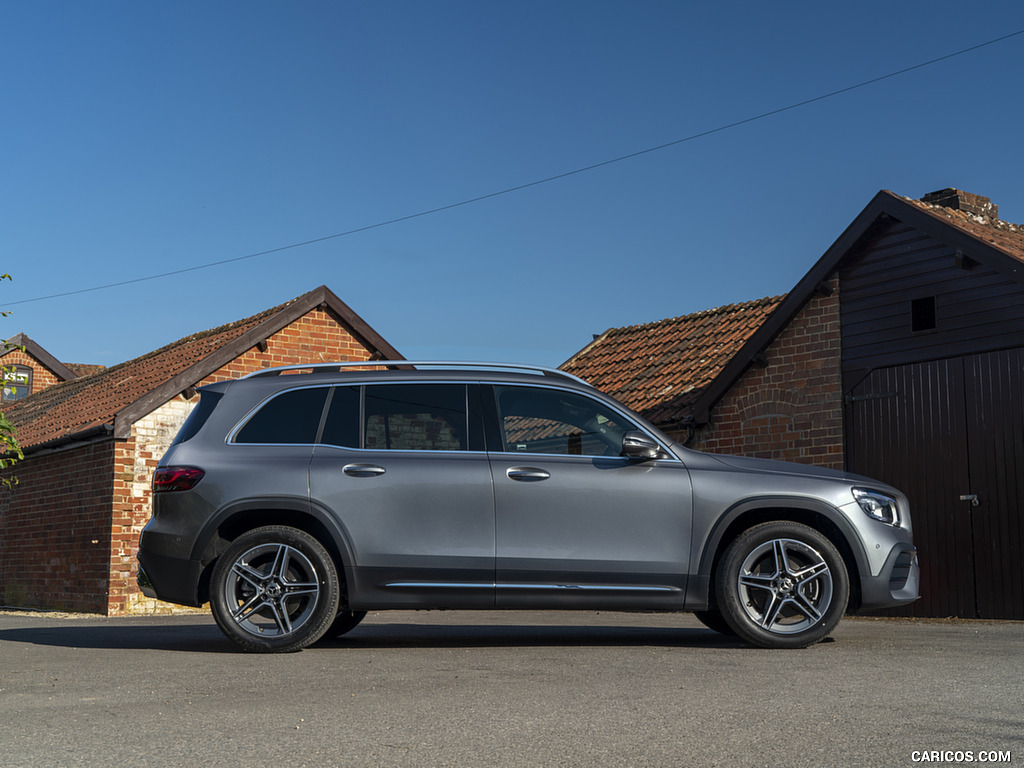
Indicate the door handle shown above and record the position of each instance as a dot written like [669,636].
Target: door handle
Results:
[971,497]
[527,474]
[363,470]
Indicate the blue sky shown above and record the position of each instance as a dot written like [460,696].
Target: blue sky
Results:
[141,138]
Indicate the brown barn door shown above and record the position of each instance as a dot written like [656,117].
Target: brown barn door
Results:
[995,409]
[908,428]
[950,434]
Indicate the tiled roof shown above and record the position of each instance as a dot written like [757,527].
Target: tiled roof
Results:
[110,399]
[1004,235]
[84,369]
[76,406]
[660,369]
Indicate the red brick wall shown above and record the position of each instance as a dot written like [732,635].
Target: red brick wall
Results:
[791,410]
[315,337]
[55,531]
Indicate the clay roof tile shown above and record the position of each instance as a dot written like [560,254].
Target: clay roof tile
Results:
[74,407]
[659,369]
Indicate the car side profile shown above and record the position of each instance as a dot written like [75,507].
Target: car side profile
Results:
[296,499]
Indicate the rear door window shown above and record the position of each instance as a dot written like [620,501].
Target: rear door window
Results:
[341,428]
[415,417]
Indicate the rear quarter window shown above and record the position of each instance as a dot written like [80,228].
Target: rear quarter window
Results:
[290,417]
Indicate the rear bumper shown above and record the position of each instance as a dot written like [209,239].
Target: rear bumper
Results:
[898,583]
[169,578]
[145,585]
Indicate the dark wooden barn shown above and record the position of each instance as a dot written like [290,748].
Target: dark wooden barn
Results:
[933,376]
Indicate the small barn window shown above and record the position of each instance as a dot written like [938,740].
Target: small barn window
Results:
[922,314]
[17,383]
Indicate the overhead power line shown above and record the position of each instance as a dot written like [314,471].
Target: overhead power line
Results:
[538,182]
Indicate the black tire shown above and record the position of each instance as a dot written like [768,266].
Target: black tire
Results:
[782,585]
[274,590]
[713,619]
[344,622]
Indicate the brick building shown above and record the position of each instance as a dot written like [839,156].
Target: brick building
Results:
[28,368]
[69,528]
[899,355]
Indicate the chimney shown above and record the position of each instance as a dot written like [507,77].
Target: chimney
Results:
[963,201]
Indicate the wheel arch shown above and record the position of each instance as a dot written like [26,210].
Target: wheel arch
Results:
[822,517]
[245,515]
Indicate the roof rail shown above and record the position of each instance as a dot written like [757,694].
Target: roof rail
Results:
[454,364]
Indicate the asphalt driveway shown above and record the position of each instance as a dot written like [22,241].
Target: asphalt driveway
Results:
[508,689]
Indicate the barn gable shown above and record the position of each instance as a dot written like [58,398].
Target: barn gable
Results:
[993,244]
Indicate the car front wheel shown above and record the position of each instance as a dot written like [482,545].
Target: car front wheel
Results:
[345,621]
[782,585]
[274,590]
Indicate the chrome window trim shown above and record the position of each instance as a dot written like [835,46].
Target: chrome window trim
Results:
[405,452]
[670,458]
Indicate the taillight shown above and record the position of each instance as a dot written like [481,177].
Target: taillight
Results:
[176,478]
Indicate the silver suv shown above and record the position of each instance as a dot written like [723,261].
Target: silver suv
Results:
[296,499]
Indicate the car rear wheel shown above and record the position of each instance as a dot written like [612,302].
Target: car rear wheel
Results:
[275,590]
[782,585]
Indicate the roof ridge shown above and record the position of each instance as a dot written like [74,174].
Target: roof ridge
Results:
[955,213]
[720,310]
[211,332]
[113,369]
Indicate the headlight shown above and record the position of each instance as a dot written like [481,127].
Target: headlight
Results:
[878,505]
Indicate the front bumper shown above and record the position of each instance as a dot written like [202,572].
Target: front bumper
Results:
[898,582]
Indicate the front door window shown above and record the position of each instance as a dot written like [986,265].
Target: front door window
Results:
[537,420]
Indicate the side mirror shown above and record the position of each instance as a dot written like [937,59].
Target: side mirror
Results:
[637,445]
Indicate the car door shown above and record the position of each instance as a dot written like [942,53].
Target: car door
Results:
[409,481]
[576,523]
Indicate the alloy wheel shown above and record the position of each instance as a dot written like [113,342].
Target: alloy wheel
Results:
[272,590]
[784,586]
